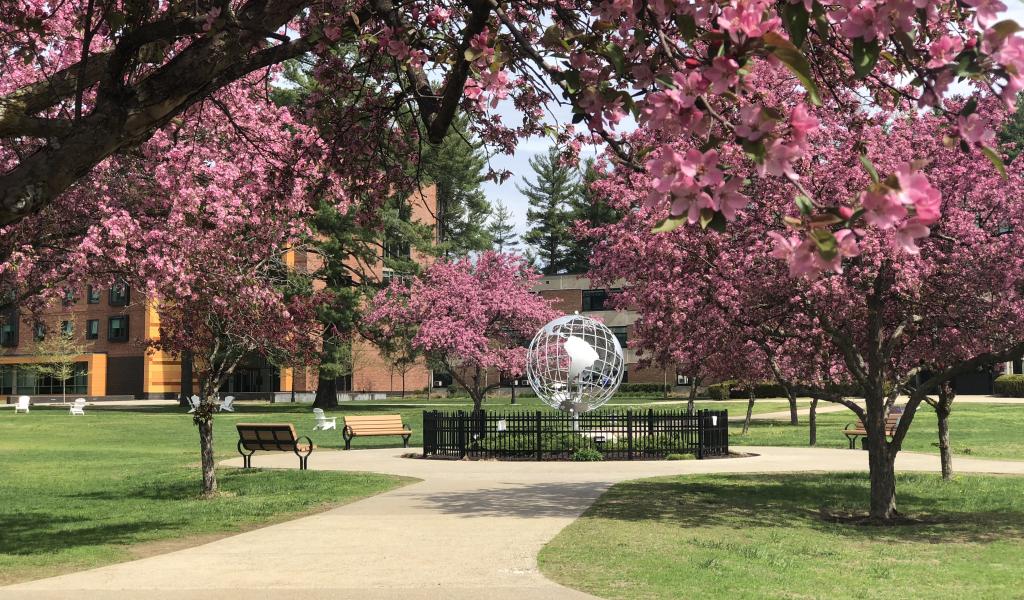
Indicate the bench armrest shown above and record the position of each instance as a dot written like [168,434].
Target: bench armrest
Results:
[406,427]
[849,426]
[309,444]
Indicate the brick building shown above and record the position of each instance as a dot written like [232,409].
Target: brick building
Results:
[113,325]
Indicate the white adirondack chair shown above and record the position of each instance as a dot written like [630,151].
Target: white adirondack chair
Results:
[22,405]
[194,403]
[228,404]
[78,408]
[323,423]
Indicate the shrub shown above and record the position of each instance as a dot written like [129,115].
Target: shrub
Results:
[587,455]
[686,456]
[720,391]
[659,388]
[1010,385]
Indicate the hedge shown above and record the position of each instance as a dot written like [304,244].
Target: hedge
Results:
[1010,385]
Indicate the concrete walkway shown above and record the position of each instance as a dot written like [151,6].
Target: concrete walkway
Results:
[469,530]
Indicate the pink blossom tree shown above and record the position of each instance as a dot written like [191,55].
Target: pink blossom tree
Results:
[87,80]
[470,316]
[199,221]
[895,313]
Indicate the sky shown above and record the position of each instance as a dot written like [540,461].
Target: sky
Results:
[519,164]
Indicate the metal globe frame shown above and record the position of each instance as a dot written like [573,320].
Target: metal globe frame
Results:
[551,371]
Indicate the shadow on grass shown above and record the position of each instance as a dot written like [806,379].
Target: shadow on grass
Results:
[33,533]
[799,501]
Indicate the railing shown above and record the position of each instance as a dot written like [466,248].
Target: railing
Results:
[623,435]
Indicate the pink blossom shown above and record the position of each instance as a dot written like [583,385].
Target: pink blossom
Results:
[803,124]
[908,234]
[974,130]
[915,190]
[722,74]
[882,209]
[943,51]
[987,11]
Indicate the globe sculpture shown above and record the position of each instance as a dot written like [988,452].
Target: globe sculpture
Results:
[574,364]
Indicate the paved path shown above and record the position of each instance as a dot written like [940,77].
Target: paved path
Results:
[469,530]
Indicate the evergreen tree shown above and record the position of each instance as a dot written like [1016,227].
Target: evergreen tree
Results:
[551,195]
[588,209]
[1011,136]
[503,234]
[456,166]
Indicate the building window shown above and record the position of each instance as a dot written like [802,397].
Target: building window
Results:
[620,334]
[9,330]
[117,330]
[119,294]
[39,332]
[66,328]
[92,329]
[93,295]
[24,381]
[598,299]
[69,297]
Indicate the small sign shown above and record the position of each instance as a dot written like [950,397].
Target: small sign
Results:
[502,425]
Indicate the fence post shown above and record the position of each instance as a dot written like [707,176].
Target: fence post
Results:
[725,431]
[427,446]
[701,415]
[629,433]
[462,434]
[539,440]
[650,421]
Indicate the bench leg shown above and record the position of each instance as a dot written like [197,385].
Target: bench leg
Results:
[405,440]
[303,462]
[853,442]
[348,442]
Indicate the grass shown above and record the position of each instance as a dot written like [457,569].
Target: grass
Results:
[979,430]
[747,536]
[79,492]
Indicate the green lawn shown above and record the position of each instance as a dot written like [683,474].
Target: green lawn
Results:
[79,492]
[981,430]
[747,536]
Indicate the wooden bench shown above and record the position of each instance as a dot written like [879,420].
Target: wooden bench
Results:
[274,437]
[857,430]
[370,425]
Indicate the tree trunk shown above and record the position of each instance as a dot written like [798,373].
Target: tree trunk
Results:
[186,379]
[403,385]
[942,410]
[326,393]
[793,419]
[206,450]
[750,411]
[690,408]
[812,422]
[881,462]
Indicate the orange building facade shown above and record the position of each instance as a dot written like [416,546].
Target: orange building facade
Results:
[114,327]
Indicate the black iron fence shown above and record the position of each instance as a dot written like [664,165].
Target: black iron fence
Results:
[623,435]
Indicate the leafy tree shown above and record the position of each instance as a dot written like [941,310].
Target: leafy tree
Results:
[503,234]
[456,166]
[469,316]
[1011,135]
[57,354]
[552,194]
[587,210]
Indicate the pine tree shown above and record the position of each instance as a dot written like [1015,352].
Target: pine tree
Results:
[457,166]
[551,195]
[591,210]
[503,234]
[1011,136]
